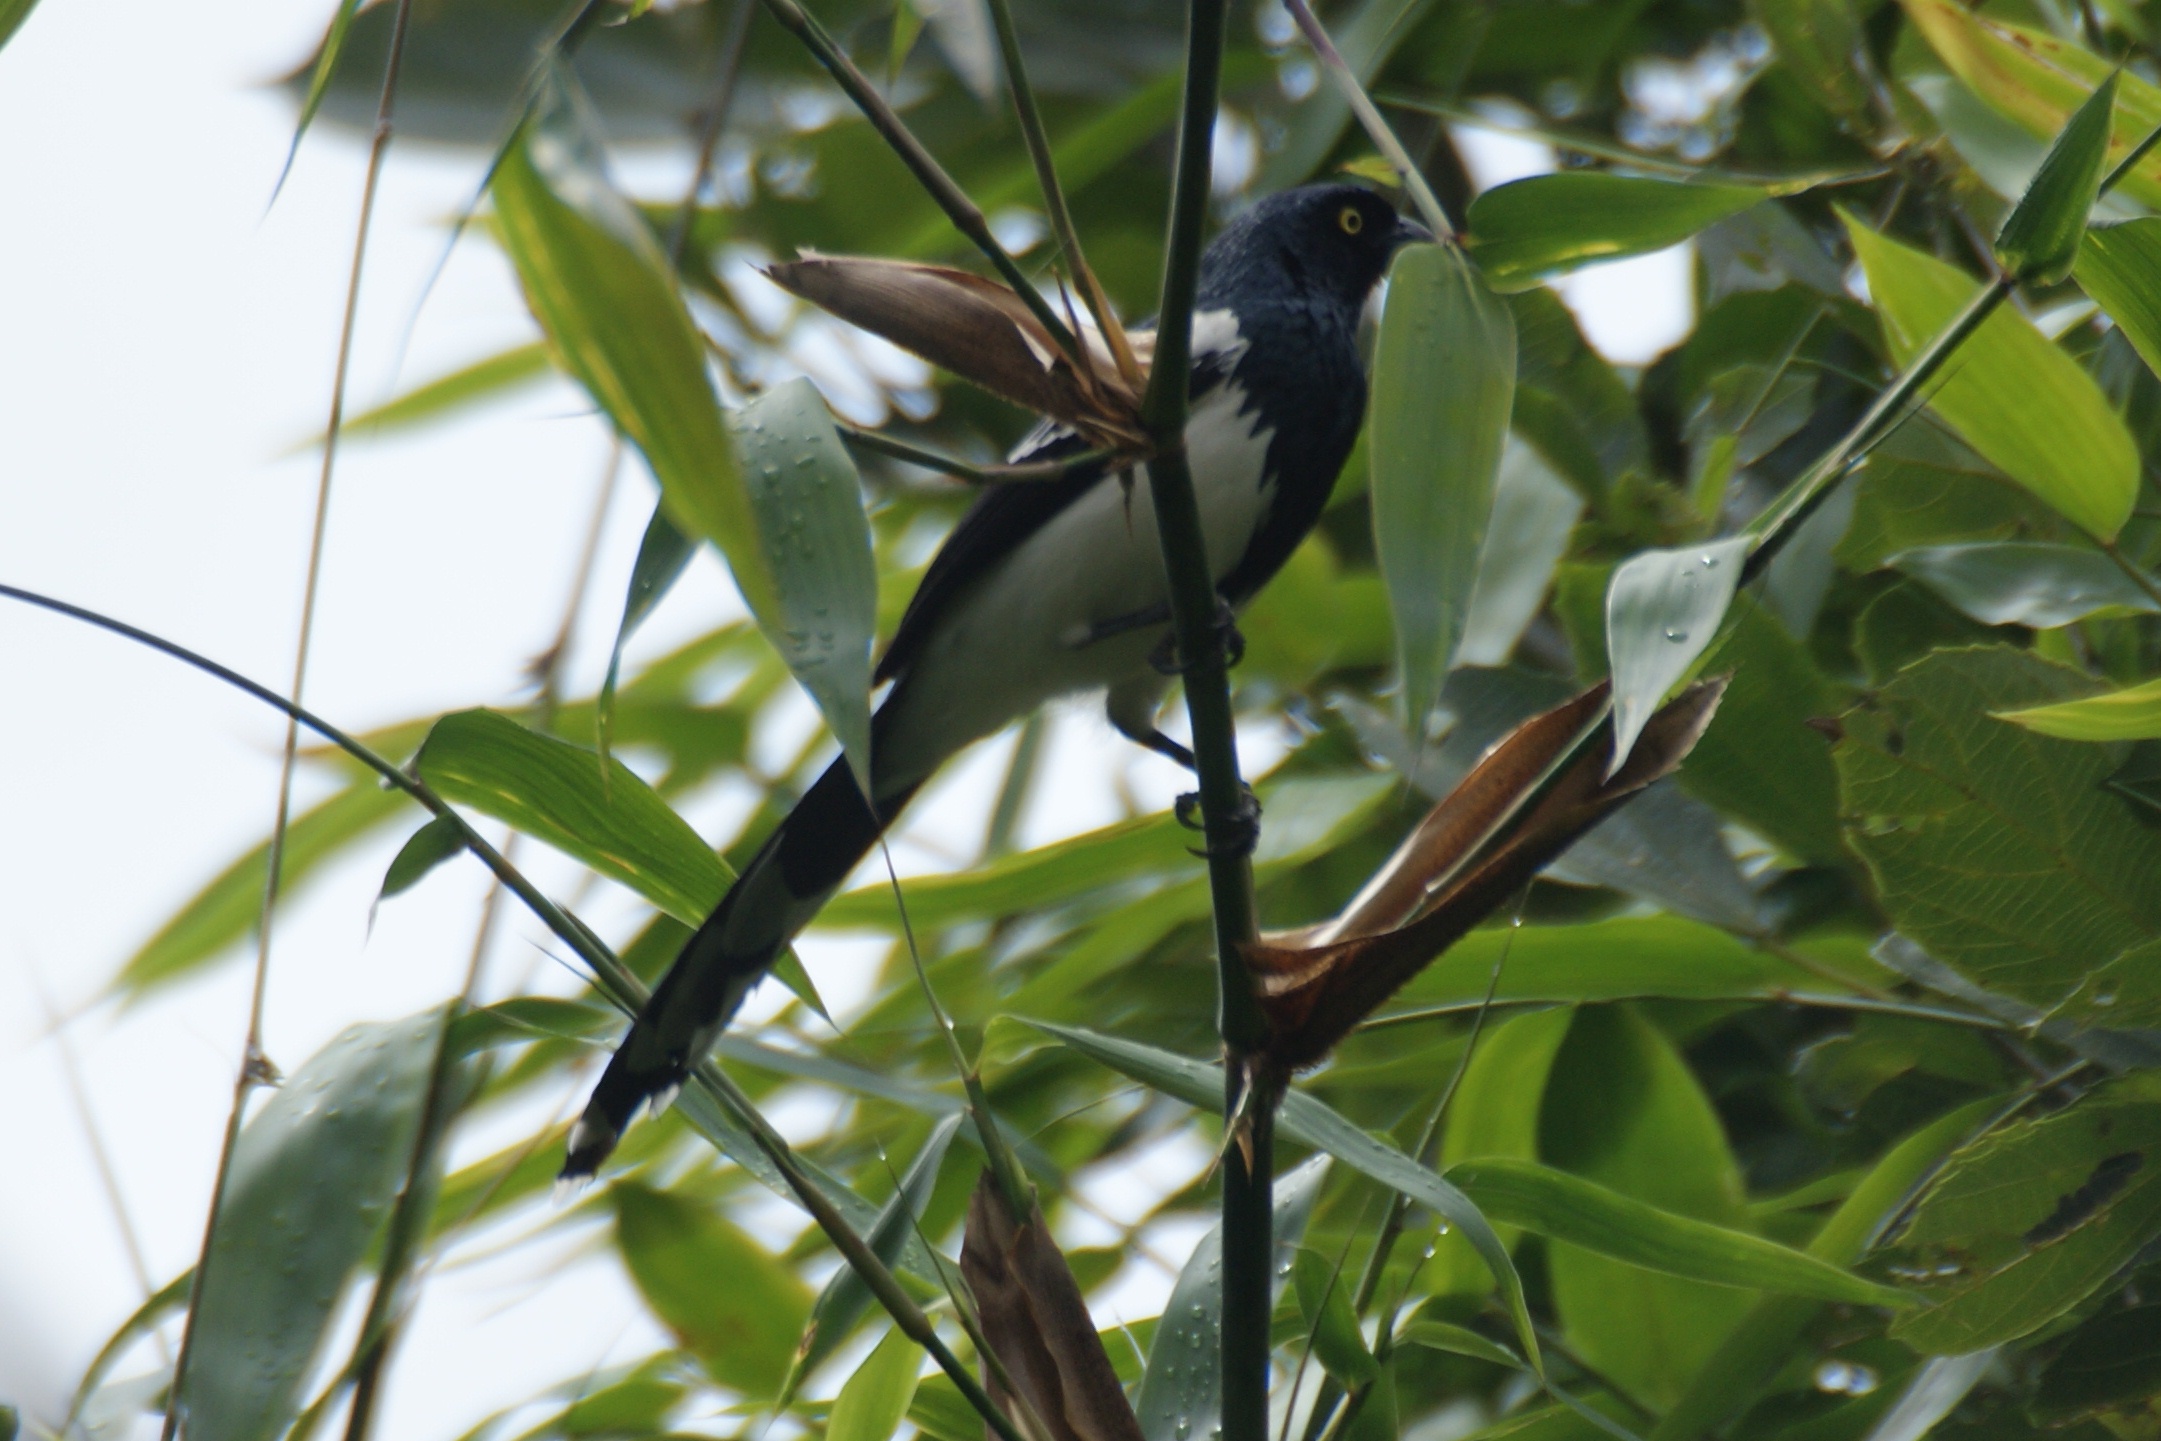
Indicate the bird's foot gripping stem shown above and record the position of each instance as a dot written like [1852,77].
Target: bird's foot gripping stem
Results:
[1245,826]
[1167,661]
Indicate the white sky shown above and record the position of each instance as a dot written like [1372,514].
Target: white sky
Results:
[164,340]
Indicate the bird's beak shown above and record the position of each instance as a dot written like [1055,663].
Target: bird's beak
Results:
[1410,232]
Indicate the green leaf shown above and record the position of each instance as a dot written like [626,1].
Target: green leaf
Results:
[807,502]
[424,850]
[228,909]
[723,1295]
[1365,36]
[1662,609]
[2120,267]
[1457,1340]
[2030,583]
[1181,1392]
[663,554]
[2029,1220]
[1821,42]
[1583,1213]
[2125,994]
[847,1297]
[1324,1300]
[1992,846]
[1534,513]
[558,793]
[597,282]
[2040,239]
[1311,1122]
[1526,230]
[2039,79]
[2114,1360]
[872,1401]
[1623,1110]
[445,396]
[1444,374]
[2130,714]
[311,1180]
[2010,392]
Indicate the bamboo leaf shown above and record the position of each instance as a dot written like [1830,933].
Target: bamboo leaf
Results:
[596,280]
[1458,1340]
[1527,230]
[424,850]
[677,1250]
[2040,239]
[1662,610]
[663,554]
[1326,1305]
[807,502]
[447,395]
[1443,379]
[555,792]
[2030,583]
[311,1181]
[1181,1392]
[873,1400]
[2010,392]
[2120,267]
[2130,714]
[1569,1208]
[14,12]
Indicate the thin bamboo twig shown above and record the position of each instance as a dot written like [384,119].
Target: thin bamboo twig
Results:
[1024,473]
[1249,1100]
[1369,116]
[613,980]
[941,187]
[1054,204]
[255,1067]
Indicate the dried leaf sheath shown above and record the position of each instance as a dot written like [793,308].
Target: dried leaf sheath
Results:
[976,328]
[1034,1318]
[1425,898]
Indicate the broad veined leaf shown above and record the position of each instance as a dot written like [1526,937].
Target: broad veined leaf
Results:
[596,280]
[2120,267]
[2039,80]
[2040,238]
[1526,230]
[1981,836]
[2009,392]
[1623,1110]
[311,1181]
[228,908]
[1181,1394]
[1583,1213]
[2130,714]
[808,504]
[2027,1221]
[873,1400]
[557,792]
[1444,375]
[1662,608]
[677,1249]
[2030,583]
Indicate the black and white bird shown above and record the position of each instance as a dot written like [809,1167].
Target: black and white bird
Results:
[1056,588]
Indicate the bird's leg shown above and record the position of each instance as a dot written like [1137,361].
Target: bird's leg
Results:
[1131,709]
[1245,822]
[1102,630]
[1167,661]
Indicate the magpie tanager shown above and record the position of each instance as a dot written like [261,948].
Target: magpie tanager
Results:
[1050,588]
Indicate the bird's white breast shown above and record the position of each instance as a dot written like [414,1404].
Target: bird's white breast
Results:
[1009,643]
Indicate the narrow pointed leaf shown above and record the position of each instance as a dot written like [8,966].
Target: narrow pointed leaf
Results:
[678,1251]
[2131,714]
[310,1183]
[2010,392]
[663,553]
[447,395]
[424,850]
[1662,609]
[873,1401]
[554,792]
[2040,239]
[12,15]
[1526,230]
[808,504]
[2120,267]
[326,61]
[1324,1300]
[1566,1207]
[1460,1340]
[601,289]
[1444,376]
[1181,1394]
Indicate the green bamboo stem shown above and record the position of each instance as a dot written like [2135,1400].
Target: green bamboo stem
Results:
[612,979]
[1249,1103]
[941,187]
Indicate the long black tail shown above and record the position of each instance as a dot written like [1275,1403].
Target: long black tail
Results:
[802,863]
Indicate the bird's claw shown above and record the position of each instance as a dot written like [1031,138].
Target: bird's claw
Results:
[1166,660]
[1244,823]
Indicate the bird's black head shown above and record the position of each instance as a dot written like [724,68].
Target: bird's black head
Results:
[1332,239]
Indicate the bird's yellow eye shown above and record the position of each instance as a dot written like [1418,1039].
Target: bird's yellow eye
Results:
[1351,220]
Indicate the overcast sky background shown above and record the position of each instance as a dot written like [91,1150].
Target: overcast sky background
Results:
[165,338]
